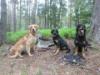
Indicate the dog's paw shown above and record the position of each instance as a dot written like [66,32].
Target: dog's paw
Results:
[30,55]
[12,56]
[20,56]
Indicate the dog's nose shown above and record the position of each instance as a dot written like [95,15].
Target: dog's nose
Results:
[33,30]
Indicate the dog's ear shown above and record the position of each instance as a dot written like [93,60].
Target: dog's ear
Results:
[33,25]
[30,26]
[36,26]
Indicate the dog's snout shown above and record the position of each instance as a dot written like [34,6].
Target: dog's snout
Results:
[82,31]
[54,33]
[33,30]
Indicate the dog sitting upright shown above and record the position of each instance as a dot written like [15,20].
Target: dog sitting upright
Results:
[27,42]
[80,40]
[60,43]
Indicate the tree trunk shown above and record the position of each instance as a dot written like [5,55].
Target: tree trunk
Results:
[20,23]
[3,21]
[96,22]
[34,12]
[46,14]
[14,16]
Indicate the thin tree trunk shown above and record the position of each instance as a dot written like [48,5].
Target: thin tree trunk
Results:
[3,22]
[34,11]
[96,22]
[46,25]
[20,15]
[14,16]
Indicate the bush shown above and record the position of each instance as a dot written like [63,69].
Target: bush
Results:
[67,32]
[45,33]
[12,37]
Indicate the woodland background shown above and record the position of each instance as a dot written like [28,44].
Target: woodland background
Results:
[16,15]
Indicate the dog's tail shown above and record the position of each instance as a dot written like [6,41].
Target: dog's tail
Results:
[8,50]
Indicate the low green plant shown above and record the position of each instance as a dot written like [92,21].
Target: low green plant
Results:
[12,37]
[45,33]
[67,32]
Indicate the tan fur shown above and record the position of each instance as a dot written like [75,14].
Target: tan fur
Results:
[57,51]
[26,42]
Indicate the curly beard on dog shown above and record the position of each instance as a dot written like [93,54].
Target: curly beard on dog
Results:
[27,42]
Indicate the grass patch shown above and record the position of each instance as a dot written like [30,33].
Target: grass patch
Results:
[45,33]
[12,37]
[67,32]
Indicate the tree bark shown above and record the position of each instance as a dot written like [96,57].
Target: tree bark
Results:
[20,23]
[3,21]
[34,12]
[96,22]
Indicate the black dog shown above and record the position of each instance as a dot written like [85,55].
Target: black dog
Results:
[60,43]
[80,39]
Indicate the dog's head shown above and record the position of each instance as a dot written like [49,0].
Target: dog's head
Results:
[54,32]
[33,28]
[81,29]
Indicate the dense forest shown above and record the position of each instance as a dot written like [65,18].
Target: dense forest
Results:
[18,14]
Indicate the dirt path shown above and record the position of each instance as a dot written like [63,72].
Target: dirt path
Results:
[43,63]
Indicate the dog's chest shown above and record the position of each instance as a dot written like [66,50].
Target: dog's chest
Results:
[56,41]
[81,39]
[32,40]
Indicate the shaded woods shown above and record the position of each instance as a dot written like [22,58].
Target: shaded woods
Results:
[18,14]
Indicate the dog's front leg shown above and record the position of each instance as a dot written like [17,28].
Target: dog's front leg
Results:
[28,49]
[57,51]
[34,47]
[75,51]
[85,51]
[20,55]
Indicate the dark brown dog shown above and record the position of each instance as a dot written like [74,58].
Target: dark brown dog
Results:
[80,40]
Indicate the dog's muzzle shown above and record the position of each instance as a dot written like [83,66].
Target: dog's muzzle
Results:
[33,30]
[81,32]
[54,34]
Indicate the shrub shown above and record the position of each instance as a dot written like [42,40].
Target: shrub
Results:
[12,37]
[67,32]
[45,33]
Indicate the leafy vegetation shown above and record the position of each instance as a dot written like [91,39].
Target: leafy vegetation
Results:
[67,32]
[12,37]
[45,33]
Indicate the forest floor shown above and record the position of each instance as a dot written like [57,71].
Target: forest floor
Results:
[43,63]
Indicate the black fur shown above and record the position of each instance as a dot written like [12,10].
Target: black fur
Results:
[59,41]
[80,38]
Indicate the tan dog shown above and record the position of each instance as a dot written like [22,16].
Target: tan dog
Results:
[27,42]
